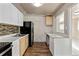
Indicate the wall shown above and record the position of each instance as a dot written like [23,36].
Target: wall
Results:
[75,32]
[39,27]
[6,29]
[75,19]
[67,18]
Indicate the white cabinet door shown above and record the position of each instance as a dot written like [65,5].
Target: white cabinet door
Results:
[21,19]
[51,45]
[5,10]
[20,15]
[17,16]
[1,13]
[9,14]
[14,15]
[15,48]
[62,47]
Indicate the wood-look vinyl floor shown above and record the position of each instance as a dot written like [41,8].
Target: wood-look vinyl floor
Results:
[38,49]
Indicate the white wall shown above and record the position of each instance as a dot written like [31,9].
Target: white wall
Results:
[39,27]
[75,19]
[66,9]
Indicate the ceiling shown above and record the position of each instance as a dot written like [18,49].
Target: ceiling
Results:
[45,9]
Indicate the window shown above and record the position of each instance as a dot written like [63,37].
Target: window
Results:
[60,22]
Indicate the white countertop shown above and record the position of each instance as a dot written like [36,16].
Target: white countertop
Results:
[9,38]
[56,35]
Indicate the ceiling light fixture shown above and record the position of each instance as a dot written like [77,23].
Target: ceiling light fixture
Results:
[37,4]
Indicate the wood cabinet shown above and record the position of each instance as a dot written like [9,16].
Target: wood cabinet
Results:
[49,20]
[9,14]
[23,45]
[19,46]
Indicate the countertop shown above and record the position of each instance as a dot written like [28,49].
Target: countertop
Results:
[10,38]
[54,35]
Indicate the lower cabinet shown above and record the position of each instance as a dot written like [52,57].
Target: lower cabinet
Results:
[23,45]
[60,46]
[19,46]
[15,48]
[51,45]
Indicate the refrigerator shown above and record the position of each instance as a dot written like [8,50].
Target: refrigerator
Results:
[28,28]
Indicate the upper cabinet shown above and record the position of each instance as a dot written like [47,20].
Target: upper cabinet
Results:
[9,14]
[20,17]
[49,20]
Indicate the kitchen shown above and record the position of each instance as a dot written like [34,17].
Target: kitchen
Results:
[28,29]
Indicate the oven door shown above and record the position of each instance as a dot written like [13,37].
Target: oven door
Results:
[7,52]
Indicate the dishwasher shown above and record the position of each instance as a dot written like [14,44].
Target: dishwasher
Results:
[47,39]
